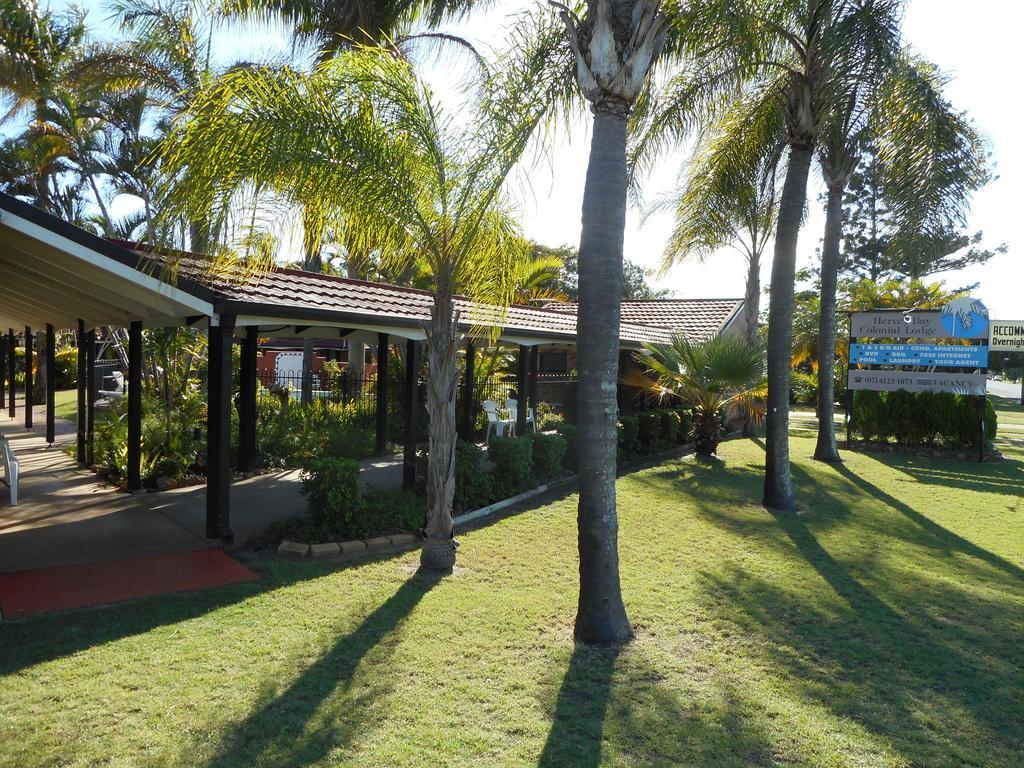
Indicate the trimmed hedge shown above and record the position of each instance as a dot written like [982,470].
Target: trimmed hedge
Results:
[548,456]
[513,460]
[921,419]
[474,488]
[331,488]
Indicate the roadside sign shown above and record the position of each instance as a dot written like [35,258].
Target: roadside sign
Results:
[1007,336]
[928,355]
[888,381]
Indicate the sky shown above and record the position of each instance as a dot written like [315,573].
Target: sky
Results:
[976,44]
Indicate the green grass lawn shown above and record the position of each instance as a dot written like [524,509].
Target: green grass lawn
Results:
[66,404]
[881,626]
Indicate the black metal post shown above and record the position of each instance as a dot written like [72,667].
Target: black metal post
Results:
[28,378]
[382,393]
[82,383]
[247,401]
[12,366]
[982,438]
[4,341]
[523,361]
[534,367]
[91,395]
[218,435]
[469,385]
[51,383]
[135,405]
[411,409]
[849,392]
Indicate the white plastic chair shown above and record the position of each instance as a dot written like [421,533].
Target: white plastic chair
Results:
[513,409]
[494,422]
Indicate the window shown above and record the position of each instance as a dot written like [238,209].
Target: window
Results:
[553,362]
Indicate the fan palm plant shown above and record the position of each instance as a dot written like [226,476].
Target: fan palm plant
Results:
[363,141]
[712,376]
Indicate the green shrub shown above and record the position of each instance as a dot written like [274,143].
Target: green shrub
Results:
[548,456]
[568,432]
[513,460]
[651,436]
[629,436]
[670,424]
[474,488]
[548,418]
[331,488]
[685,434]
[918,419]
[803,388]
[387,511]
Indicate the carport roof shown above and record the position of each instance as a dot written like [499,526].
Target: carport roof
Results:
[54,272]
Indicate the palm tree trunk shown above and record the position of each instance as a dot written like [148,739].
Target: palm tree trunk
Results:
[826,449]
[99,201]
[601,615]
[751,313]
[778,481]
[439,546]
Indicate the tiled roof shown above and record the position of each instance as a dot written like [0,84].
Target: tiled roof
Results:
[694,318]
[360,302]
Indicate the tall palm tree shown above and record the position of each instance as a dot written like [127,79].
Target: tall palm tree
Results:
[729,196]
[614,46]
[363,142]
[934,160]
[37,51]
[803,49]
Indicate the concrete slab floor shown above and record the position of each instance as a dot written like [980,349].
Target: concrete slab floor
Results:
[67,516]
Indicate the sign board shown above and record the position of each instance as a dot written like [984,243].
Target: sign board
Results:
[1007,336]
[927,355]
[897,325]
[909,381]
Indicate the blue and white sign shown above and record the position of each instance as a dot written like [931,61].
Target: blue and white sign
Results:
[927,355]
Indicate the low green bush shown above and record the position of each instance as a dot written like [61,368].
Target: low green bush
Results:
[387,511]
[629,436]
[474,488]
[685,434]
[513,460]
[548,456]
[803,388]
[295,434]
[670,425]
[548,418]
[921,419]
[652,437]
[331,488]
[568,433]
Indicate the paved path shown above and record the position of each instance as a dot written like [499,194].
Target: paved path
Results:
[66,516]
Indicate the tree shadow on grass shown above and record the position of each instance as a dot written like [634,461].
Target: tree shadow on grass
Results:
[614,702]
[39,639]
[576,734]
[941,666]
[947,538]
[283,730]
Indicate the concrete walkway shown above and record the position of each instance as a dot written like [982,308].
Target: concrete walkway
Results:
[66,516]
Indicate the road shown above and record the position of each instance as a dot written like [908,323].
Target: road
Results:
[1004,389]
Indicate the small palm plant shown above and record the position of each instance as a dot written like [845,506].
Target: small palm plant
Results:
[711,375]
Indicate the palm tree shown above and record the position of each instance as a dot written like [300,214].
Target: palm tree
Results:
[729,196]
[614,46]
[37,51]
[711,375]
[934,160]
[802,50]
[332,27]
[363,142]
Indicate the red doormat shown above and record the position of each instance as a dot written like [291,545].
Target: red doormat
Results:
[42,590]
